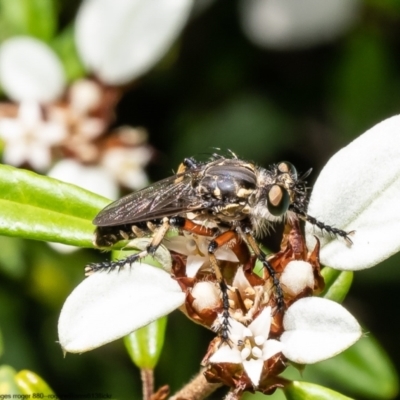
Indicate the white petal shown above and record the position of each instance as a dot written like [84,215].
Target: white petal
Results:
[193,265]
[126,165]
[39,156]
[16,153]
[121,40]
[107,306]
[226,254]
[262,324]
[206,295]
[297,276]
[63,248]
[178,244]
[253,370]
[256,352]
[236,330]
[11,129]
[247,332]
[162,255]
[245,352]
[317,329]
[96,179]
[85,96]
[359,189]
[29,114]
[202,243]
[271,347]
[294,24]
[50,133]
[134,178]
[259,340]
[240,281]
[226,354]
[30,70]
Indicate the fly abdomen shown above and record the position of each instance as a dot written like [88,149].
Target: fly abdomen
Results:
[107,236]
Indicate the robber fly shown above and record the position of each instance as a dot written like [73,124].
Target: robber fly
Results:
[240,199]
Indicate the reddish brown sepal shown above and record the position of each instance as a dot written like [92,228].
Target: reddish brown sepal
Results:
[161,394]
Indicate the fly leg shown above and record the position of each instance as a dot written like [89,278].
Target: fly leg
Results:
[189,226]
[329,229]
[219,241]
[157,238]
[300,212]
[272,273]
[158,235]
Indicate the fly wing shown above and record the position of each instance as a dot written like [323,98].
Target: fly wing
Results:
[171,196]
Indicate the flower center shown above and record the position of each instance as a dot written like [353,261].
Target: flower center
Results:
[250,346]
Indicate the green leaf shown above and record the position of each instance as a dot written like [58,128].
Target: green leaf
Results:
[309,391]
[144,345]
[7,381]
[337,284]
[364,370]
[31,384]
[41,208]
[36,18]
[277,395]
[12,262]
[64,46]
[1,345]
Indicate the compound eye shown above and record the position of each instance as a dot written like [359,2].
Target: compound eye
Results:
[285,167]
[278,200]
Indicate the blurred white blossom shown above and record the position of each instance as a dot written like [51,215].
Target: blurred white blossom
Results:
[78,115]
[297,24]
[29,138]
[119,42]
[126,165]
[30,70]
[93,178]
[84,96]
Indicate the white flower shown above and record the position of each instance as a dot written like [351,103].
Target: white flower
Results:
[314,329]
[359,190]
[96,179]
[84,96]
[29,138]
[249,346]
[297,24]
[30,70]
[126,165]
[78,115]
[121,40]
